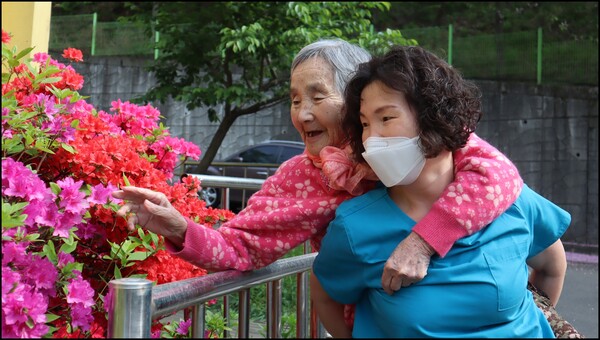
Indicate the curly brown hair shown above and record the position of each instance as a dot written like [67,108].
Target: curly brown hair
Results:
[448,106]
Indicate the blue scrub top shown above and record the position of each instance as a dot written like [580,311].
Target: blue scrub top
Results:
[478,290]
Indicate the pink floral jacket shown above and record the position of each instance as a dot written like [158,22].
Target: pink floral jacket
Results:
[298,202]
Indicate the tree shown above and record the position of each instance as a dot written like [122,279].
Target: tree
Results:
[233,58]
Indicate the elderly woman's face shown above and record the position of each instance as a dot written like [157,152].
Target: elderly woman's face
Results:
[316,105]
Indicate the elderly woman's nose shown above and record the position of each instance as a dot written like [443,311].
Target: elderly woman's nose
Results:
[306,110]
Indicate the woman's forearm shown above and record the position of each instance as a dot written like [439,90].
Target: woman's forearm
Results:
[330,312]
[549,271]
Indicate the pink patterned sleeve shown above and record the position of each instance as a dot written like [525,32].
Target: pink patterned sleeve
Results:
[293,206]
[486,183]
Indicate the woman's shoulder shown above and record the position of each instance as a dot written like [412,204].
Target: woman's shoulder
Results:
[298,166]
[365,203]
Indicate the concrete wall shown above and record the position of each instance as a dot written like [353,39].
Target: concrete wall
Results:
[550,133]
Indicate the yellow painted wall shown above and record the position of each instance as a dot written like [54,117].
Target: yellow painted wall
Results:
[29,24]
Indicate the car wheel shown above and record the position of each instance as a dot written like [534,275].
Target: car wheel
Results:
[212,196]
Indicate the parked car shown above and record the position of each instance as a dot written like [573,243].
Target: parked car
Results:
[273,153]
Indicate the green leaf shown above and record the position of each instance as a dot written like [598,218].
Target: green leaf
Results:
[126,180]
[138,256]
[67,147]
[50,251]
[51,317]
[68,247]
[12,215]
[50,80]
[24,52]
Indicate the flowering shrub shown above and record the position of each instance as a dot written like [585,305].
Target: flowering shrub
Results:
[61,159]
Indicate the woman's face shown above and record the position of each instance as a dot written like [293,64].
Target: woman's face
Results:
[316,105]
[385,112]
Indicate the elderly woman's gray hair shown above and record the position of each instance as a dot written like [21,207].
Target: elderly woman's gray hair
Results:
[343,57]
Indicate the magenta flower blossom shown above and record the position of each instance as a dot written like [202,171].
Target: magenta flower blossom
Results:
[13,252]
[19,309]
[184,326]
[7,134]
[101,194]
[41,57]
[20,181]
[71,198]
[64,259]
[39,273]
[81,316]
[43,212]
[80,291]
[10,281]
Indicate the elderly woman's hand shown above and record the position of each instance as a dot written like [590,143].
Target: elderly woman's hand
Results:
[152,211]
[407,264]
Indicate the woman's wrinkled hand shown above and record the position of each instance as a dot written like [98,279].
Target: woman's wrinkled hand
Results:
[152,211]
[407,264]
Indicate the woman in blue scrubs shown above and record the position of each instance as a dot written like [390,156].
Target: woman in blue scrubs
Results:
[479,289]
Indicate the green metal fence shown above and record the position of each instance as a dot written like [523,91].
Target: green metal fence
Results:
[517,56]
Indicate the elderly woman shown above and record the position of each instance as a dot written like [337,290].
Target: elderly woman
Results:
[298,202]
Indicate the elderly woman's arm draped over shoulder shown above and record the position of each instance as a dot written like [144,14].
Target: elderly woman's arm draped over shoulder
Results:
[293,206]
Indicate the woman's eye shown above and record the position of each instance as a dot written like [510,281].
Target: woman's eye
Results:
[386,118]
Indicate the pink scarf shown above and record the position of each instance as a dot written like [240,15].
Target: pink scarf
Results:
[342,172]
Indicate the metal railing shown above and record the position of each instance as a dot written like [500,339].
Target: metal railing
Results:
[133,304]
[226,182]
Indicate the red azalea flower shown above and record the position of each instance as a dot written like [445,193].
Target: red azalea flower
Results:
[5,37]
[70,53]
[72,79]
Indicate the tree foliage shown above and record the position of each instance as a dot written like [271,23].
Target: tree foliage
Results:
[559,20]
[233,58]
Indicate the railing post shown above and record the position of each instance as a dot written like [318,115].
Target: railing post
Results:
[274,309]
[198,323]
[302,301]
[129,308]
[244,314]
[226,314]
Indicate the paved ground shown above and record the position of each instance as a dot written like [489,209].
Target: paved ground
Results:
[579,300]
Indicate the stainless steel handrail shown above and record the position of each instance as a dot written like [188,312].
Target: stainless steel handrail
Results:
[229,182]
[171,297]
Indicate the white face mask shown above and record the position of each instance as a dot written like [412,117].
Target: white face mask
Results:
[395,160]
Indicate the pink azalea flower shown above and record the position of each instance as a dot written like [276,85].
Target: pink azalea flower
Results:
[80,291]
[184,326]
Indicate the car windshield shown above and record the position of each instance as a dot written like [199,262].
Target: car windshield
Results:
[263,154]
